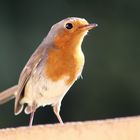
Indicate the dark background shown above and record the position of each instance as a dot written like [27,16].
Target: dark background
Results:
[111,77]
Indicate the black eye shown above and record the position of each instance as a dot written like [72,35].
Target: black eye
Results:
[69,26]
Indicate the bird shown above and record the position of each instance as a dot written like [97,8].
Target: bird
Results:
[51,70]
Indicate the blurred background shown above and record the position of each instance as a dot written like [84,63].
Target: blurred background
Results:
[111,77]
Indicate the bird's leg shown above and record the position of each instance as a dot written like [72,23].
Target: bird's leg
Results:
[33,109]
[56,109]
[31,118]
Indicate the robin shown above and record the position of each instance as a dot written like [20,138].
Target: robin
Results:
[52,69]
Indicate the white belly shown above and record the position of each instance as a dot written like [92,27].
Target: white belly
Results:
[44,91]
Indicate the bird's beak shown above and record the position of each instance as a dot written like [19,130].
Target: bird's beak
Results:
[89,26]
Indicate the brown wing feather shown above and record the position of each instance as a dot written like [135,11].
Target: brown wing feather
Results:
[33,62]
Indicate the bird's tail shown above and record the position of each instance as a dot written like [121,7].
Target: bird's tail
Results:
[8,94]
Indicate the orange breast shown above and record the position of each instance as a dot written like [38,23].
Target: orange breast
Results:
[64,62]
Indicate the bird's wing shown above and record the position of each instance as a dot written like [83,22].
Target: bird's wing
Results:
[26,73]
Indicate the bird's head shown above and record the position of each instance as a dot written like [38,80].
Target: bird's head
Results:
[70,32]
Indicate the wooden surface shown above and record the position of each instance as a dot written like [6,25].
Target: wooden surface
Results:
[111,129]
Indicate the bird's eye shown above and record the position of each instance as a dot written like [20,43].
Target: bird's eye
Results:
[69,26]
